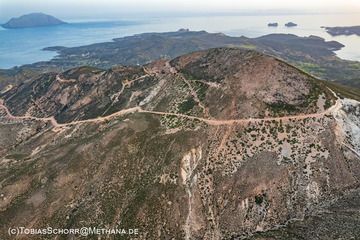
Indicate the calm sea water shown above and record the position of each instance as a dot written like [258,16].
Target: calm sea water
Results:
[23,46]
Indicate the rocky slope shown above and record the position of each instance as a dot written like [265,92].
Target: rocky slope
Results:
[80,93]
[217,144]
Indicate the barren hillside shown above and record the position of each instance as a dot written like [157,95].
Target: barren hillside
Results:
[217,144]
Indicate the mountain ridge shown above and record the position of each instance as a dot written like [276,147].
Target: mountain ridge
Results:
[173,161]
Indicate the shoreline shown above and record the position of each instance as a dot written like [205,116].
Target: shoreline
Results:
[56,49]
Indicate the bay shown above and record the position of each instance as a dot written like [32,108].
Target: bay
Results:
[24,46]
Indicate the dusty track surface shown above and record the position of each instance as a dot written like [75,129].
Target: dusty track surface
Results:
[213,122]
[52,120]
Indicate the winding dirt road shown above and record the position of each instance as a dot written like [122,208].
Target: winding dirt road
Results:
[52,120]
[213,122]
[216,122]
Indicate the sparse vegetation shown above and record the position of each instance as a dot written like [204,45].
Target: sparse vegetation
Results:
[201,90]
[187,105]
[344,91]
[232,172]
[281,108]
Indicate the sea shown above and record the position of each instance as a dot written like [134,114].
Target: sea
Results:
[24,46]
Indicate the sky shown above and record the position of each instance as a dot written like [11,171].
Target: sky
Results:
[118,9]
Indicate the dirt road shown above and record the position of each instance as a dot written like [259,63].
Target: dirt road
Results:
[213,122]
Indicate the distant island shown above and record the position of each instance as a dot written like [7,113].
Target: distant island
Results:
[347,31]
[273,24]
[32,20]
[290,24]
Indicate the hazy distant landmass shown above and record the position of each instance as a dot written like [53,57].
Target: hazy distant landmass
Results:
[275,24]
[347,31]
[311,54]
[33,20]
[290,24]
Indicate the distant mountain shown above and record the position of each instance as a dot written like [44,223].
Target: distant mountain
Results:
[32,20]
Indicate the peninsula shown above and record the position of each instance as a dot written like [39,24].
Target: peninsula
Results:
[347,31]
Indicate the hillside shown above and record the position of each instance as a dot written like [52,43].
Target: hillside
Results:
[223,143]
[32,20]
[311,54]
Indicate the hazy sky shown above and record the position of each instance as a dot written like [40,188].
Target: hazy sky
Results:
[72,9]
